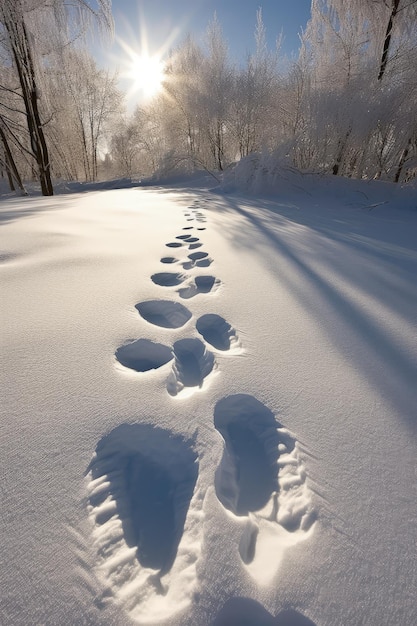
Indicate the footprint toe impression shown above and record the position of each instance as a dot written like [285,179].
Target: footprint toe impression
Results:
[197,259]
[168,279]
[261,477]
[201,284]
[195,256]
[217,332]
[143,355]
[140,502]
[164,313]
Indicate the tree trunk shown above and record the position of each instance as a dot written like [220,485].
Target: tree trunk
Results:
[339,158]
[403,159]
[387,40]
[11,169]
[19,41]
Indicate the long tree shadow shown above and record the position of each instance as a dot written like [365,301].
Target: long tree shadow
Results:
[396,380]
[246,612]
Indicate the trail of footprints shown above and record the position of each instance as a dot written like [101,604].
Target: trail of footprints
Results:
[144,496]
[192,358]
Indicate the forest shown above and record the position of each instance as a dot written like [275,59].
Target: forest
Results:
[346,105]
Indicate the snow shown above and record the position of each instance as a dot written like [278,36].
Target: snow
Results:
[220,431]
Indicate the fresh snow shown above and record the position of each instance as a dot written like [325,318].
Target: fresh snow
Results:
[209,403]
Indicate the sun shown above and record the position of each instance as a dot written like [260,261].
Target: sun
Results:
[146,72]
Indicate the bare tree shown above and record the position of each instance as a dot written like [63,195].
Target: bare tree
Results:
[25,44]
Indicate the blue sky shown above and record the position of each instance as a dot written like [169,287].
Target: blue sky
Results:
[168,21]
[156,27]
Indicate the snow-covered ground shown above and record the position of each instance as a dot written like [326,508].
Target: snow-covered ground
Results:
[209,405]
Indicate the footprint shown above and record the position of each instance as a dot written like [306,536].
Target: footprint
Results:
[174,244]
[192,364]
[188,228]
[195,256]
[143,355]
[201,284]
[217,332]
[204,262]
[169,259]
[199,259]
[183,237]
[262,478]
[193,246]
[201,228]
[164,313]
[168,279]
[145,506]
[192,239]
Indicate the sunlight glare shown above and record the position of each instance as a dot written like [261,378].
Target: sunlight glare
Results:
[146,73]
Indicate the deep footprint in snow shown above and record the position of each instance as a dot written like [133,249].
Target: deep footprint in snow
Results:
[144,503]
[168,279]
[195,256]
[164,313]
[199,259]
[192,364]
[143,355]
[169,259]
[217,332]
[201,284]
[193,246]
[183,237]
[174,244]
[261,477]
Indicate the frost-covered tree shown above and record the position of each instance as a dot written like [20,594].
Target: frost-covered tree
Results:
[29,30]
[355,122]
[182,89]
[254,95]
[386,19]
[216,92]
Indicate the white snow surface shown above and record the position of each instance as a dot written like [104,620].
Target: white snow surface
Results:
[225,438]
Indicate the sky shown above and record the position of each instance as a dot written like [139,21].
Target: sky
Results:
[158,26]
[168,21]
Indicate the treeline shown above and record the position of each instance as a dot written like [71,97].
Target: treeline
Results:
[345,105]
